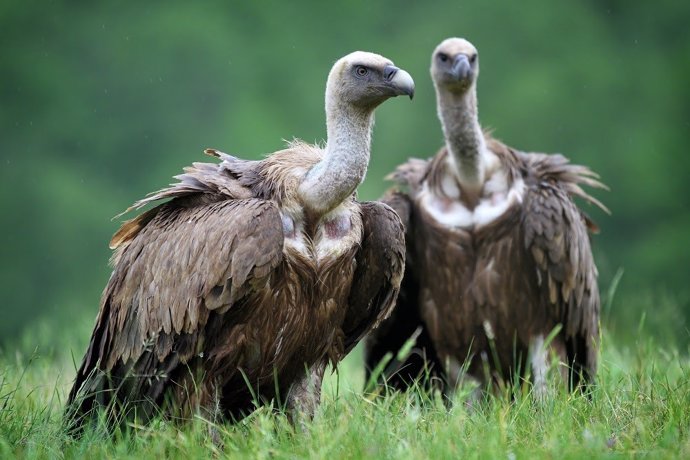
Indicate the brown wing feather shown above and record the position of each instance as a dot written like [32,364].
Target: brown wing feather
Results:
[179,266]
[556,236]
[380,266]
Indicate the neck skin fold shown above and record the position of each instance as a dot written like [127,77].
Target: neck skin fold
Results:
[345,162]
[464,137]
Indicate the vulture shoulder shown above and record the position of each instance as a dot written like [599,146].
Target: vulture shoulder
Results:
[274,178]
[408,178]
[198,184]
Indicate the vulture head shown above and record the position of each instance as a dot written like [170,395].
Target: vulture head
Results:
[455,65]
[365,80]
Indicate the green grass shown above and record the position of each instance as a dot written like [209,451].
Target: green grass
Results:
[641,407]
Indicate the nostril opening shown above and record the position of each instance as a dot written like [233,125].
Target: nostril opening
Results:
[389,71]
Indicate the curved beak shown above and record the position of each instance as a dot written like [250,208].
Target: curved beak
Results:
[461,69]
[400,80]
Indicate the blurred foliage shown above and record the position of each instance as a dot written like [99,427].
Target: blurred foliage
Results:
[102,103]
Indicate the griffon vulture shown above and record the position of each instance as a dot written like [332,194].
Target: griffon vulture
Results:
[253,276]
[498,254]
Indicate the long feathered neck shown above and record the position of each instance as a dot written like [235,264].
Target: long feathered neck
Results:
[464,137]
[345,160]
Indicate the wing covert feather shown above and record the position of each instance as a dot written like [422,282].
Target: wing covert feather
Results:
[556,236]
[184,263]
[380,267]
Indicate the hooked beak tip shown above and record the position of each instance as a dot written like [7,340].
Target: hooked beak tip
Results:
[461,67]
[400,80]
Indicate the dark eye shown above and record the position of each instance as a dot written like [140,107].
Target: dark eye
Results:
[361,71]
[473,58]
[443,57]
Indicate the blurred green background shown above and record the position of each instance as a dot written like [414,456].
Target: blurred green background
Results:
[100,104]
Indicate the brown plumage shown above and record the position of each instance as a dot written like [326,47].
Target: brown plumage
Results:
[221,297]
[498,254]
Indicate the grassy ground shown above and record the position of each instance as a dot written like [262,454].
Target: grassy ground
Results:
[641,407]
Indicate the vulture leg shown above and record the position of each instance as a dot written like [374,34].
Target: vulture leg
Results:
[210,410]
[458,375]
[304,395]
[541,359]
